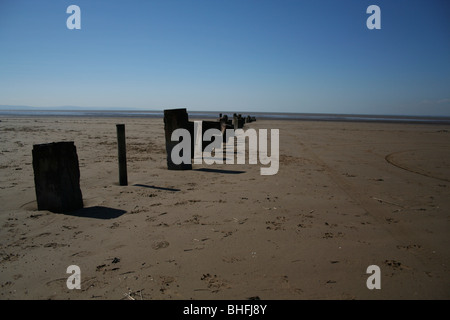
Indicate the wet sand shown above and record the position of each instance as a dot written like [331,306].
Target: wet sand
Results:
[347,195]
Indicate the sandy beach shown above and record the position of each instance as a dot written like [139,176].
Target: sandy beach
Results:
[347,195]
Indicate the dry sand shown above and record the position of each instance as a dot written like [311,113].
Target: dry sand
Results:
[347,195]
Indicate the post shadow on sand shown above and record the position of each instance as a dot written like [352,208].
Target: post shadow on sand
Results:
[219,171]
[155,187]
[97,212]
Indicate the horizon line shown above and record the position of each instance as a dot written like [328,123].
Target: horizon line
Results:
[136,109]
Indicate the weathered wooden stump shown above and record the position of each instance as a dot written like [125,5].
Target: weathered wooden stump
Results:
[224,125]
[241,122]
[175,119]
[191,132]
[210,125]
[57,177]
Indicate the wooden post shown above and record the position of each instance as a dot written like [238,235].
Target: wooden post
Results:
[210,125]
[57,177]
[122,153]
[240,121]
[175,119]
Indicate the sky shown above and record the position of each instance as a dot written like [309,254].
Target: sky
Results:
[298,56]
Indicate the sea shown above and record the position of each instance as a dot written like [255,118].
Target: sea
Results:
[215,115]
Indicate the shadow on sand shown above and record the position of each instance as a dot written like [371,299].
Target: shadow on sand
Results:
[154,187]
[219,171]
[97,212]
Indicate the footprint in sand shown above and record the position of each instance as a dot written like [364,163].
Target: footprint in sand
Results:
[395,265]
[410,247]
[54,245]
[160,245]
[391,220]
[166,285]
[330,235]
[285,284]
[231,259]
[214,283]
[115,225]
[277,224]
[82,254]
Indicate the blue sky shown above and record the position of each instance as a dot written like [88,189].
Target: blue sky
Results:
[226,55]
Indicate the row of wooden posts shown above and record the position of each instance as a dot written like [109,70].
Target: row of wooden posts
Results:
[56,167]
[179,118]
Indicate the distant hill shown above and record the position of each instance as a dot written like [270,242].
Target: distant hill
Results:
[6,107]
